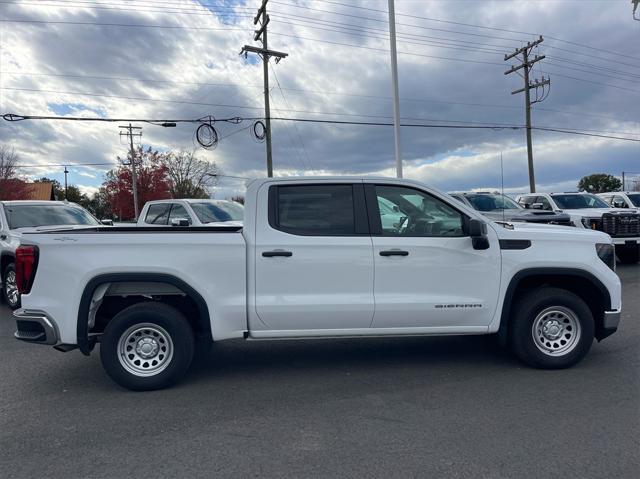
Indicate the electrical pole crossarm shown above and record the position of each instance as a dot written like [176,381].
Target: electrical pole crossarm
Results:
[527,64]
[527,47]
[263,51]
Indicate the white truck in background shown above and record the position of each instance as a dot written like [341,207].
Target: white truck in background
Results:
[315,260]
[591,212]
[19,216]
[191,212]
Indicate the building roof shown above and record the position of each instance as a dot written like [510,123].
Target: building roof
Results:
[42,191]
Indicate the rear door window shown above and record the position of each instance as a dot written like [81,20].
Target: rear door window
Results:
[314,210]
[158,214]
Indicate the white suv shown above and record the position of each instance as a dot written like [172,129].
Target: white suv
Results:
[590,211]
[622,199]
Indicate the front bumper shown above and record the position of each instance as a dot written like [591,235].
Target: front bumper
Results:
[609,324]
[34,326]
[627,242]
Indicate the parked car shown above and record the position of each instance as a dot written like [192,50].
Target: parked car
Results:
[17,217]
[590,211]
[315,261]
[499,207]
[622,199]
[191,212]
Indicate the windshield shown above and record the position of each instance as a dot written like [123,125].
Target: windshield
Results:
[635,199]
[31,216]
[492,202]
[579,201]
[218,212]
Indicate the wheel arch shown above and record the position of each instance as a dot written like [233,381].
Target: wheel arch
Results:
[87,343]
[6,258]
[583,283]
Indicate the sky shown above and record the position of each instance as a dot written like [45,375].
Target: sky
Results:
[179,59]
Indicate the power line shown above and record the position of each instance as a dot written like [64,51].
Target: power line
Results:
[305,91]
[132,25]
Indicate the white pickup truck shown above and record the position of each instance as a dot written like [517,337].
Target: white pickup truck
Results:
[315,260]
[191,212]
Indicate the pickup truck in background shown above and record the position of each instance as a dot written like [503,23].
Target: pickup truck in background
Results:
[315,260]
[622,199]
[499,207]
[19,216]
[590,211]
[191,212]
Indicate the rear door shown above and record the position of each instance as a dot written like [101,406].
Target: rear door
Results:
[427,273]
[313,259]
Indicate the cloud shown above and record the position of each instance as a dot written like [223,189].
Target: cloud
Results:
[193,69]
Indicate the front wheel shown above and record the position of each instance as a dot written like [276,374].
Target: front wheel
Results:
[147,346]
[551,329]
[10,287]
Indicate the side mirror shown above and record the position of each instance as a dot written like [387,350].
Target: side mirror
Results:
[396,209]
[179,222]
[619,204]
[537,206]
[107,222]
[477,230]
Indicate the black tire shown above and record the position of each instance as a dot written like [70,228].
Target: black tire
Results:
[628,254]
[565,314]
[9,298]
[159,326]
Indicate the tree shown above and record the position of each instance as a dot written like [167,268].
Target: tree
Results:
[152,182]
[189,176]
[599,183]
[12,187]
[238,199]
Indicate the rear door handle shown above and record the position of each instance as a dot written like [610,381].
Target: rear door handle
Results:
[394,252]
[271,254]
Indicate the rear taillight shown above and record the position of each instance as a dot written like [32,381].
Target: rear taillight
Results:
[26,264]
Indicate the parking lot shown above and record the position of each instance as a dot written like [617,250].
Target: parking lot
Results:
[422,407]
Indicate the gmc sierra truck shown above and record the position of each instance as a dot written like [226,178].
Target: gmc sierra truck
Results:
[315,260]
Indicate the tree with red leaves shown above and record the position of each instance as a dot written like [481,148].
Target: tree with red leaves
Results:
[12,187]
[152,182]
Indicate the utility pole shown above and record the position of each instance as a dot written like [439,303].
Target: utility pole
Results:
[265,54]
[526,65]
[66,172]
[394,86]
[623,182]
[134,178]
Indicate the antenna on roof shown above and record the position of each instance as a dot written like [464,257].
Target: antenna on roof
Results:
[502,185]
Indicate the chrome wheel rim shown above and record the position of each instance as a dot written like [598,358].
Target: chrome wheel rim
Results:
[11,288]
[556,331]
[145,349]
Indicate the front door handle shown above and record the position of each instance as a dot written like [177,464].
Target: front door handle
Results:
[271,254]
[394,252]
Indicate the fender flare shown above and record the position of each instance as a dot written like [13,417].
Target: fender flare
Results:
[86,344]
[517,278]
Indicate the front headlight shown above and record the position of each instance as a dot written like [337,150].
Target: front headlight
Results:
[607,253]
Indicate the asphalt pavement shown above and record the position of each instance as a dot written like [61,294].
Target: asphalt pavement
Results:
[413,407]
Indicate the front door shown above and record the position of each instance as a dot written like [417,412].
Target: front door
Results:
[427,273]
[313,259]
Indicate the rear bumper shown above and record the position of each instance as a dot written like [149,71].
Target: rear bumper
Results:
[34,326]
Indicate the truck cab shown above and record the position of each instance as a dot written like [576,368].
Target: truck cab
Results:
[192,212]
[622,199]
[590,211]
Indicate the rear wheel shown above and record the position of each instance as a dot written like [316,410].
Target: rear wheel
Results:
[551,328]
[10,287]
[628,254]
[147,346]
